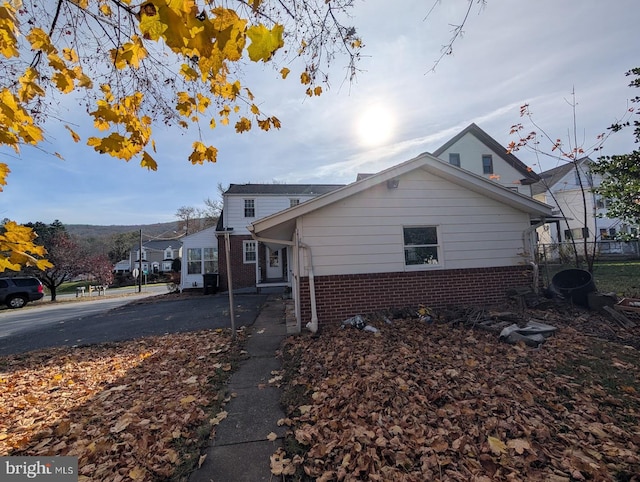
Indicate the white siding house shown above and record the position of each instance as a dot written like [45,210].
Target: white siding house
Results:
[253,264]
[422,232]
[200,256]
[476,151]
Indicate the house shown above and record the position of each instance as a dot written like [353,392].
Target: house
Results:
[422,232]
[200,252]
[562,188]
[252,263]
[157,255]
[476,151]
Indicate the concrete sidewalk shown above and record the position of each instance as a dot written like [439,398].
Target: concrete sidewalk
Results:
[240,450]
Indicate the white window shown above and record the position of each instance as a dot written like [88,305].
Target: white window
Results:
[421,246]
[249,208]
[194,261]
[210,260]
[293,202]
[168,253]
[249,251]
[166,266]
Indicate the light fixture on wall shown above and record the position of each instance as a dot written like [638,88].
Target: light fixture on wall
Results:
[393,183]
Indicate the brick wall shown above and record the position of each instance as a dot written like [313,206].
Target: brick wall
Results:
[340,297]
[244,275]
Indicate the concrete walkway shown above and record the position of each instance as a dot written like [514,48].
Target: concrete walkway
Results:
[240,450]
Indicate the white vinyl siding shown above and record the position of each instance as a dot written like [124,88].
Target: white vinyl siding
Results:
[471,149]
[363,233]
[265,205]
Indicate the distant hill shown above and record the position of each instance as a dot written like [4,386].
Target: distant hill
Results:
[87,231]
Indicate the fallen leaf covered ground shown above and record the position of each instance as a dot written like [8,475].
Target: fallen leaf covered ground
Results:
[437,401]
[138,410]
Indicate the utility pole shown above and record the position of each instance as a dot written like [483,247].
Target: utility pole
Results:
[227,250]
[140,264]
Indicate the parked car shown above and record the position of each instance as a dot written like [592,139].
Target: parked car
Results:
[17,292]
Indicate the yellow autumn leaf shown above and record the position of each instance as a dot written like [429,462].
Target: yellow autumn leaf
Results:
[305,78]
[243,125]
[187,400]
[264,42]
[40,40]
[74,136]
[70,55]
[254,109]
[272,436]
[497,446]
[8,30]
[317,90]
[4,173]
[284,72]
[148,162]
[137,473]
[105,9]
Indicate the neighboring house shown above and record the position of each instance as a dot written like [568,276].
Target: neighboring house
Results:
[157,255]
[122,267]
[200,257]
[252,263]
[420,233]
[561,188]
[476,151]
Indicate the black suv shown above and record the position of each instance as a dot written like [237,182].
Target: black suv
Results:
[17,292]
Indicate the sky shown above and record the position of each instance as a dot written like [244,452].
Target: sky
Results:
[512,52]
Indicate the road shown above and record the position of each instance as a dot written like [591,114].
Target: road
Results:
[120,318]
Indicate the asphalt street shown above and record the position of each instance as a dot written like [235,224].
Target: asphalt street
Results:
[151,316]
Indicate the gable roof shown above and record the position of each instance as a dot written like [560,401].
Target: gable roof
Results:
[529,176]
[466,179]
[283,189]
[551,177]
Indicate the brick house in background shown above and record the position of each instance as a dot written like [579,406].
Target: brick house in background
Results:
[253,264]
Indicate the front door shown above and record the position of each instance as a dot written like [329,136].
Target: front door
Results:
[274,264]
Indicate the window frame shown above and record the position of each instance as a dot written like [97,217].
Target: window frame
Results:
[438,245]
[452,157]
[192,262]
[293,202]
[210,260]
[250,208]
[487,168]
[246,250]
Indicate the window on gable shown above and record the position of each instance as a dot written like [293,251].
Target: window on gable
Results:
[194,261]
[293,202]
[249,251]
[487,164]
[249,208]
[421,245]
[168,253]
[454,159]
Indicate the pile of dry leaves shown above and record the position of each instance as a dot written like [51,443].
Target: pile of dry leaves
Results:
[439,401]
[138,410]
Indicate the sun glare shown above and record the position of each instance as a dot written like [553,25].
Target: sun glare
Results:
[375,125]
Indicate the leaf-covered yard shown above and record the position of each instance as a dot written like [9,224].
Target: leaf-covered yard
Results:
[139,410]
[436,401]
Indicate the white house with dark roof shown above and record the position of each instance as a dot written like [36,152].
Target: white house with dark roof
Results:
[561,188]
[476,151]
[252,263]
[423,232]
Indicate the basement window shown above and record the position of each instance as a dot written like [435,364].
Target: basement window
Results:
[421,246]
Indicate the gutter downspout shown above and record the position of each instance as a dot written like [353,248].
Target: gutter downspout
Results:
[528,243]
[313,324]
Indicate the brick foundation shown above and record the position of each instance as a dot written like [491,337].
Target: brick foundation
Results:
[244,275]
[340,297]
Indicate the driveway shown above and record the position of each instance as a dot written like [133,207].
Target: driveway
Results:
[152,316]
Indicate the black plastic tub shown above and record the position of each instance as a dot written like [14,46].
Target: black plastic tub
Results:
[574,285]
